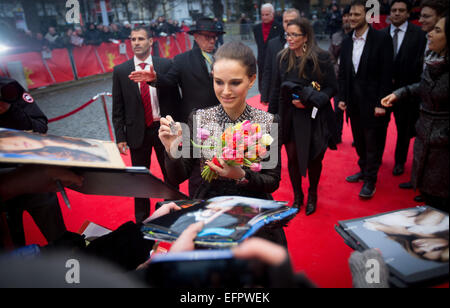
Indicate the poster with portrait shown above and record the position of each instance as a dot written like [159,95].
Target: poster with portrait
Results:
[413,243]
[21,147]
[227,220]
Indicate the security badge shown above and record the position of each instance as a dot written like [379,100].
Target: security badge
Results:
[28,98]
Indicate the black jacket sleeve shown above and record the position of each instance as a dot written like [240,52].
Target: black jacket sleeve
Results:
[24,116]
[180,169]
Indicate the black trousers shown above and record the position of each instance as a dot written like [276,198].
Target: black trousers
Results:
[406,115]
[369,144]
[142,157]
[314,171]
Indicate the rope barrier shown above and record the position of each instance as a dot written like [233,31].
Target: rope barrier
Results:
[96,97]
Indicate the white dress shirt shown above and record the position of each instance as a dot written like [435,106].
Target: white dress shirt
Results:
[401,34]
[153,92]
[358,47]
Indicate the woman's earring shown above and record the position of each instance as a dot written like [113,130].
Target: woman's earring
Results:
[304,48]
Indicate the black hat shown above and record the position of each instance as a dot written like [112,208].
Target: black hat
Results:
[205,24]
[10,90]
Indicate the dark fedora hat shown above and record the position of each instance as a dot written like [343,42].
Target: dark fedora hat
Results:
[205,24]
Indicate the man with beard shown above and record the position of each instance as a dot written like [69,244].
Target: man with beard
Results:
[365,76]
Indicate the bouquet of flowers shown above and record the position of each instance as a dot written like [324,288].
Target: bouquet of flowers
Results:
[240,145]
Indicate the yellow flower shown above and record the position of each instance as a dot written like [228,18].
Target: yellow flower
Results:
[266,139]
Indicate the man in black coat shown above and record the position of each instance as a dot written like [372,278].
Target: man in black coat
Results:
[18,110]
[365,76]
[137,109]
[264,32]
[191,71]
[409,47]
[274,46]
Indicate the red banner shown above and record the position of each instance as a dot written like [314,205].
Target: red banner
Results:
[86,61]
[382,24]
[89,60]
[34,69]
[59,65]
[183,41]
[110,56]
[168,47]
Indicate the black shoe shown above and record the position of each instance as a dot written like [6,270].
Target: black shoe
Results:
[354,178]
[398,170]
[407,185]
[298,202]
[311,204]
[368,190]
[419,199]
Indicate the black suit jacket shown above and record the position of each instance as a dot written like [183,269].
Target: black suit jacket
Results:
[274,46]
[190,73]
[275,31]
[362,91]
[408,63]
[128,110]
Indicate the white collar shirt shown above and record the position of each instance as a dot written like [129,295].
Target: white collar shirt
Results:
[358,47]
[153,91]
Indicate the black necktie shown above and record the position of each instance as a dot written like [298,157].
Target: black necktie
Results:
[395,41]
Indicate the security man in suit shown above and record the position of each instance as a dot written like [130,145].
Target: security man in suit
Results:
[409,46]
[191,71]
[365,76]
[137,108]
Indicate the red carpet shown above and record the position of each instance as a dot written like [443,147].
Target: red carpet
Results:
[314,245]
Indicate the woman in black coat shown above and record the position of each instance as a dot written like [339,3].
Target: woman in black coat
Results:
[430,172]
[304,84]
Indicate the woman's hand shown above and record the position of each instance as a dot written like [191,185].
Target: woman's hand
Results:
[298,104]
[163,210]
[388,100]
[226,171]
[169,133]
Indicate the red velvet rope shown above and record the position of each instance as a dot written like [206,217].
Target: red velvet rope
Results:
[72,112]
[77,110]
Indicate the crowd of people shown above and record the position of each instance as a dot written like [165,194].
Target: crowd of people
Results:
[367,72]
[77,36]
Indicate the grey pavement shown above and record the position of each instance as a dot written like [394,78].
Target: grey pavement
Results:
[90,122]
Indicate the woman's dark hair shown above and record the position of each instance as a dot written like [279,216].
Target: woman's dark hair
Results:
[311,54]
[447,32]
[39,137]
[238,51]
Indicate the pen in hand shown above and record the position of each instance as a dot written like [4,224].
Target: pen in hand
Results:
[63,193]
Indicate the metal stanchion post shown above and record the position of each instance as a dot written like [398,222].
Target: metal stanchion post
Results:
[105,109]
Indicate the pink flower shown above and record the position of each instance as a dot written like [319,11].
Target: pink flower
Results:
[246,126]
[228,153]
[255,167]
[202,134]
